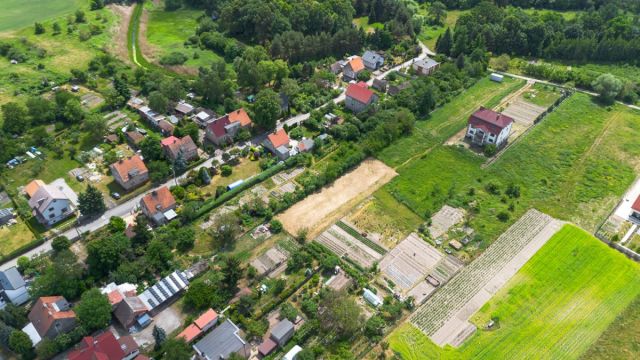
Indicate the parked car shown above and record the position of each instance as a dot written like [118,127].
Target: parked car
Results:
[116,195]
[80,178]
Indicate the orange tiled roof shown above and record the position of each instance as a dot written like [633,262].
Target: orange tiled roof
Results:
[159,200]
[240,116]
[356,63]
[206,318]
[190,333]
[125,166]
[33,186]
[279,138]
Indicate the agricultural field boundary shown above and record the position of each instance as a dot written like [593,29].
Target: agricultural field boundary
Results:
[445,316]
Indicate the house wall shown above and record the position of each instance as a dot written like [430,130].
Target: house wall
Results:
[57,211]
[488,138]
[133,182]
[354,105]
[60,326]
[217,140]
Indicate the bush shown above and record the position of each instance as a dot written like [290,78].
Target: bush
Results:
[226,170]
[503,216]
[490,150]
[174,58]
[275,226]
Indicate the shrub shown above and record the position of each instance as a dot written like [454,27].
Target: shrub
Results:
[173,58]
[490,150]
[226,170]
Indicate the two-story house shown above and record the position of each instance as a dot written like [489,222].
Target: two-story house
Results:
[486,126]
[159,205]
[51,203]
[130,172]
[50,316]
[222,130]
[358,97]
[353,67]
[372,60]
[174,147]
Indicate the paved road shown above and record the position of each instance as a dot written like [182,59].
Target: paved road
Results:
[130,206]
[425,51]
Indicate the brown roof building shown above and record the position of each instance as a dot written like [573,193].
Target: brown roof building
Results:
[51,316]
[130,173]
[158,205]
[129,310]
[32,187]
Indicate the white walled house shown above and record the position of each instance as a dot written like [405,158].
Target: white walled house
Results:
[486,126]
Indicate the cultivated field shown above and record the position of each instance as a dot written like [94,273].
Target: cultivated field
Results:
[16,14]
[345,241]
[555,307]
[444,317]
[321,209]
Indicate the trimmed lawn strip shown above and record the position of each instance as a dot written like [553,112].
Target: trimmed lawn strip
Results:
[574,279]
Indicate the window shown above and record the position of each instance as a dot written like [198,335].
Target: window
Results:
[51,216]
[50,209]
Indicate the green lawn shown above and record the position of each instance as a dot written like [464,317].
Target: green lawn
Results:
[16,14]
[555,307]
[363,22]
[448,120]
[542,95]
[168,30]
[578,178]
[15,236]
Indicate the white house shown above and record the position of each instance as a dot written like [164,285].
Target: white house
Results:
[486,126]
[53,202]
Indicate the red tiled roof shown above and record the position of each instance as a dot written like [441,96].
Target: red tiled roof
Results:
[278,138]
[159,200]
[206,318]
[33,186]
[489,120]
[240,116]
[190,333]
[104,347]
[115,297]
[360,92]
[636,205]
[217,126]
[174,145]
[124,166]
[267,347]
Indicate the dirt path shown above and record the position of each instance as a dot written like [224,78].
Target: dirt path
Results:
[321,209]
[119,45]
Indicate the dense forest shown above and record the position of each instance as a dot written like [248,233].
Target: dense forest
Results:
[607,34]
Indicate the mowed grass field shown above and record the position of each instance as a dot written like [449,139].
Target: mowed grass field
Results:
[447,120]
[168,30]
[555,307]
[574,165]
[16,14]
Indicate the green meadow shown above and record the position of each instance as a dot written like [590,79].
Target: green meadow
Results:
[555,307]
[16,14]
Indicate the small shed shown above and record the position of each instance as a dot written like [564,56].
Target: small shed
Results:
[372,298]
[282,332]
[455,244]
[496,77]
[291,355]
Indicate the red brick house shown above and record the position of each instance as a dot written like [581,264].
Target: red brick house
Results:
[130,173]
[158,205]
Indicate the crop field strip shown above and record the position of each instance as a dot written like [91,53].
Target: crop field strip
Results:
[452,297]
[370,243]
[344,244]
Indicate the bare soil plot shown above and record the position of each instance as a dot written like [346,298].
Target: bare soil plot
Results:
[321,209]
[119,43]
[524,114]
[344,244]
[409,262]
[444,219]
[445,316]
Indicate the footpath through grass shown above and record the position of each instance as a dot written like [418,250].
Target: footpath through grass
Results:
[574,166]
[16,14]
[555,307]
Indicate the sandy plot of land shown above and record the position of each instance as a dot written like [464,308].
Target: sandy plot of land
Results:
[321,209]
[119,44]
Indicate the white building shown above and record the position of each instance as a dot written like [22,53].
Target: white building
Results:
[486,126]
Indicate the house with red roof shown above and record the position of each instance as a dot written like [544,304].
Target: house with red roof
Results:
[486,126]
[105,347]
[223,129]
[358,97]
[278,143]
[635,208]
[174,147]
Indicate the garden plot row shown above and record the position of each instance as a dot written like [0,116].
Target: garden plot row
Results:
[452,297]
[342,244]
